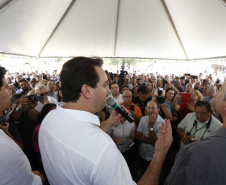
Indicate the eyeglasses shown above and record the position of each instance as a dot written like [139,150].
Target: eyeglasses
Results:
[127,96]
[150,108]
[43,94]
[201,113]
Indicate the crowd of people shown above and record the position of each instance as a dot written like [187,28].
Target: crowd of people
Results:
[59,144]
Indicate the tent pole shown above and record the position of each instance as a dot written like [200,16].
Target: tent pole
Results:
[116,29]
[173,25]
[57,26]
[5,5]
[132,58]
[223,2]
[15,54]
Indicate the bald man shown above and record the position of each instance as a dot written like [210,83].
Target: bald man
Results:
[189,88]
[136,112]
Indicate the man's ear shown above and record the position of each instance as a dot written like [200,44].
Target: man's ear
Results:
[211,112]
[86,91]
[158,109]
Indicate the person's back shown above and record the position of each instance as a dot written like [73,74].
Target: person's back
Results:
[202,162]
[84,155]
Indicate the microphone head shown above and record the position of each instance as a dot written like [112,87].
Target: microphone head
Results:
[110,101]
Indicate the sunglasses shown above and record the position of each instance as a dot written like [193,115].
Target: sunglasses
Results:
[43,94]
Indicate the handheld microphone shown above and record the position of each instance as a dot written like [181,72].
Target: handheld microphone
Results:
[111,102]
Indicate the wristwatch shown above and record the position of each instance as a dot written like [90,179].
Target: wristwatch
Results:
[151,129]
[18,109]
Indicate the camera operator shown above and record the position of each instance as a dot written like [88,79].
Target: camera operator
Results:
[25,106]
[25,118]
[164,109]
[41,90]
[198,125]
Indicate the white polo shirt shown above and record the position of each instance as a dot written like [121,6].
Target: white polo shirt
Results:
[200,131]
[15,168]
[75,150]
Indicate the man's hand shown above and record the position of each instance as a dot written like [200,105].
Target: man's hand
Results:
[152,120]
[165,139]
[117,141]
[46,102]
[116,117]
[154,98]
[43,82]
[39,174]
[178,96]
[185,139]
[32,105]
[24,101]
[113,120]
[191,107]
[131,140]
[132,113]
[5,127]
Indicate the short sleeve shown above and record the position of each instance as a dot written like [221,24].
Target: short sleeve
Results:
[182,124]
[140,127]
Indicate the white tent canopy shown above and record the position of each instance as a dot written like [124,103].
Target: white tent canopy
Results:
[161,29]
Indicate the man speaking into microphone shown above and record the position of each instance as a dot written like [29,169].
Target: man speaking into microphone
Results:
[74,146]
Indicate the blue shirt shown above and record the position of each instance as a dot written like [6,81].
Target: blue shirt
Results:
[207,98]
[146,151]
[171,107]
[201,89]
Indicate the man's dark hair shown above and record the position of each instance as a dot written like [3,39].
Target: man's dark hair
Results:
[180,89]
[77,72]
[51,80]
[112,84]
[142,89]
[2,74]
[204,103]
[125,86]
[138,79]
[14,97]
[23,80]
[204,81]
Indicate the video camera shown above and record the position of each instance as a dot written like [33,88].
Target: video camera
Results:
[122,76]
[190,140]
[33,98]
[160,99]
